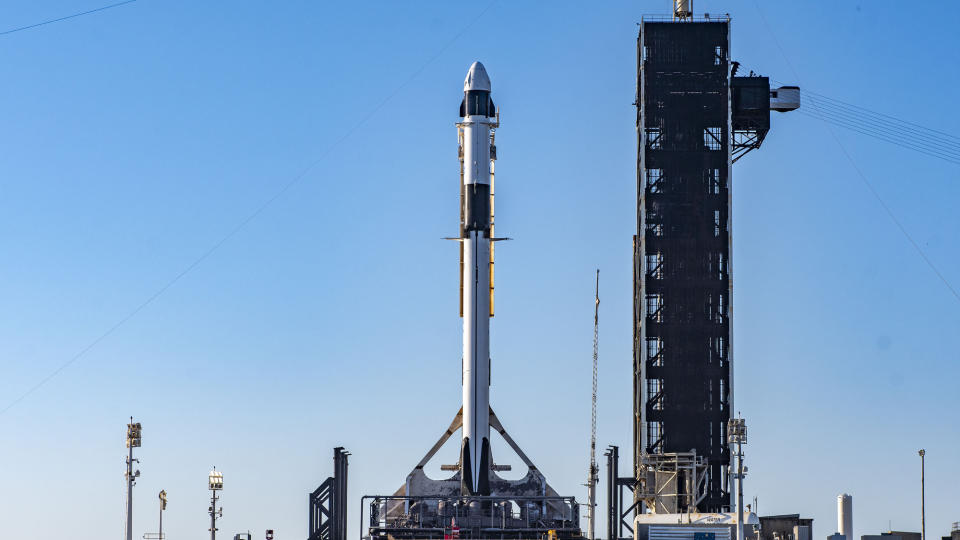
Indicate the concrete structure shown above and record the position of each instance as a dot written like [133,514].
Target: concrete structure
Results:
[845,515]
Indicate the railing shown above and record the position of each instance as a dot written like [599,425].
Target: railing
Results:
[490,517]
[700,18]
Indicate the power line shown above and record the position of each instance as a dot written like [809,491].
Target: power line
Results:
[75,15]
[860,173]
[253,215]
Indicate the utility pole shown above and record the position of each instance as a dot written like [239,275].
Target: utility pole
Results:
[737,434]
[593,476]
[216,484]
[163,506]
[133,441]
[923,512]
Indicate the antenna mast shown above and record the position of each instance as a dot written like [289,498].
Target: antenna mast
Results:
[593,473]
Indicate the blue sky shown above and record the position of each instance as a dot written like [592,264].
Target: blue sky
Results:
[138,138]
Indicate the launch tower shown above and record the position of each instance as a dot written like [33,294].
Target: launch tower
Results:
[695,117]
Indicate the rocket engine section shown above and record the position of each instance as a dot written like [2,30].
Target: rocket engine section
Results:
[478,120]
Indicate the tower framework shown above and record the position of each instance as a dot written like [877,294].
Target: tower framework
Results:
[682,249]
[695,118]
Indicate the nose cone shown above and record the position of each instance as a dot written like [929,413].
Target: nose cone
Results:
[477,78]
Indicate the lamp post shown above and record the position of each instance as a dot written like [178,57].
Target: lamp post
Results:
[737,434]
[215,482]
[133,441]
[163,506]
[923,512]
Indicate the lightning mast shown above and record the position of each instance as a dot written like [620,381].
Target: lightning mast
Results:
[593,473]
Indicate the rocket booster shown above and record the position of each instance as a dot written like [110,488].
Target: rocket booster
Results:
[478,119]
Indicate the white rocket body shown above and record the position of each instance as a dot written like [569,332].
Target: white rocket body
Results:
[477,119]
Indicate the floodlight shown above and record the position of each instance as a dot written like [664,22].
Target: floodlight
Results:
[216,480]
[133,434]
[737,431]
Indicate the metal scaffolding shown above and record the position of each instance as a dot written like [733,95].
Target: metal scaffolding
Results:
[682,291]
[328,503]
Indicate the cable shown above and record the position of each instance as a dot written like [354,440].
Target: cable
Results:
[883,136]
[75,15]
[911,135]
[253,215]
[927,138]
[862,176]
[876,113]
[882,126]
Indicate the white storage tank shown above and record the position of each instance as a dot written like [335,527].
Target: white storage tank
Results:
[845,515]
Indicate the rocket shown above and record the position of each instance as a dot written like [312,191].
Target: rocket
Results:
[478,120]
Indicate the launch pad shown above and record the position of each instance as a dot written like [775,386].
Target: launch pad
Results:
[472,517]
[695,118]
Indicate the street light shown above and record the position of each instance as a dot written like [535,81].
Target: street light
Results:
[163,506]
[737,434]
[215,483]
[133,441]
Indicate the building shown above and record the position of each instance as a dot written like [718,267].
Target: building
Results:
[693,526]
[893,535]
[954,532]
[786,527]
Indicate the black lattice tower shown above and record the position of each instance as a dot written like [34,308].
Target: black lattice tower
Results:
[682,297]
[694,119]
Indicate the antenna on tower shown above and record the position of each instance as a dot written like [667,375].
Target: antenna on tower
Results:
[593,473]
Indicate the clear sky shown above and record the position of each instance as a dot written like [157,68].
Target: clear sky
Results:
[136,139]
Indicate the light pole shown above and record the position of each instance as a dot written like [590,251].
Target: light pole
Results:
[133,441]
[163,506]
[215,482]
[737,434]
[923,512]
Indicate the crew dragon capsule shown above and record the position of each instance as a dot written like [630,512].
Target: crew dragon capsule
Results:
[478,120]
